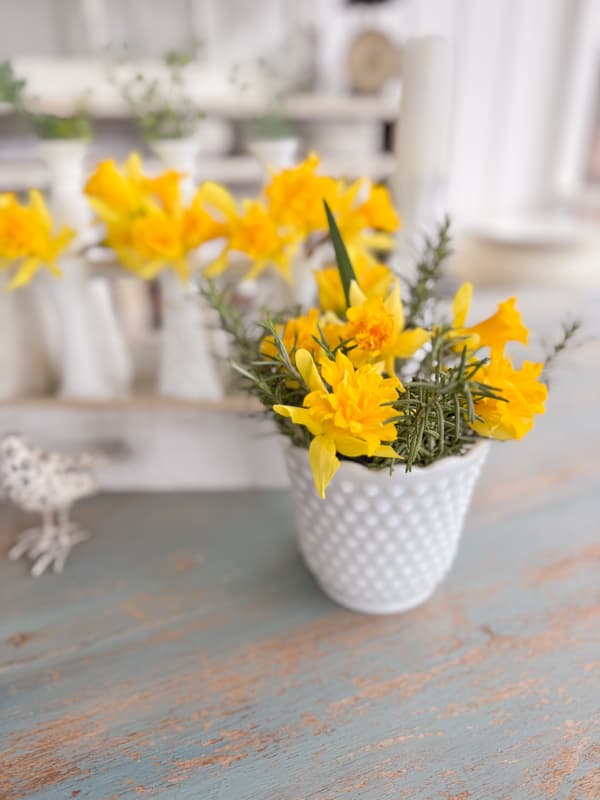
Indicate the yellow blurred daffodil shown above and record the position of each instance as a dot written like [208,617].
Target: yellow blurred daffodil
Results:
[295,196]
[374,280]
[27,240]
[346,410]
[147,224]
[114,193]
[366,226]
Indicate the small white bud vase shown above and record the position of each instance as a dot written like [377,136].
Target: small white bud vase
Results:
[24,360]
[64,159]
[94,358]
[382,543]
[275,153]
[86,369]
[187,367]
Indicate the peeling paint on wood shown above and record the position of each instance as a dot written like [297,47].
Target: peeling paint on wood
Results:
[186,654]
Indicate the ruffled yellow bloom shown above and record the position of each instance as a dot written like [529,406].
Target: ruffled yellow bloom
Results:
[146,223]
[524,397]
[203,224]
[366,226]
[376,327]
[374,279]
[378,212]
[255,234]
[302,333]
[156,242]
[505,325]
[115,193]
[295,196]
[27,240]
[347,412]
[166,187]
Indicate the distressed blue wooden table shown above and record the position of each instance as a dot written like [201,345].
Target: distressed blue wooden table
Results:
[187,654]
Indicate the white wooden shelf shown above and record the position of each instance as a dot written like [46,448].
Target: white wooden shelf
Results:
[61,82]
[157,443]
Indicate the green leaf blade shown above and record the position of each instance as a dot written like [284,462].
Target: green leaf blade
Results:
[344,265]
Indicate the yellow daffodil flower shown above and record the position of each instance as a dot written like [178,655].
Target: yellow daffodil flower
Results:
[523,397]
[166,188]
[157,242]
[114,193]
[366,226]
[295,196]
[27,240]
[254,233]
[374,279]
[302,333]
[146,223]
[347,412]
[376,327]
[505,325]
[377,211]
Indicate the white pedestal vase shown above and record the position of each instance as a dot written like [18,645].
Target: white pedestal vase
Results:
[275,153]
[382,543]
[179,154]
[110,357]
[187,366]
[24,362]
[86,368]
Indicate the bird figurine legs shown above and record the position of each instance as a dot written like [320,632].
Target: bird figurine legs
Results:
[49,544]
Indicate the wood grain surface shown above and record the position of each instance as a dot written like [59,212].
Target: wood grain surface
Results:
[187,654]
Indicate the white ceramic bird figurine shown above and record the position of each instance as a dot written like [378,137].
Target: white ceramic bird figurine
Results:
[47,483]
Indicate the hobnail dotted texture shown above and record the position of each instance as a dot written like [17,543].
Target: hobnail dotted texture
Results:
[381,543]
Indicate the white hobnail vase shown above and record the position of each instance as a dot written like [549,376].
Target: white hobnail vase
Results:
[382,543]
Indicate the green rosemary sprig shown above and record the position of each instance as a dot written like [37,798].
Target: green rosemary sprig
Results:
[47,126]
[423,290]
[569,331]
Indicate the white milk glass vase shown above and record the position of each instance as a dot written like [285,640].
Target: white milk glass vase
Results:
[85,308]
[187,366]
[275,153]
[24,362]
[382,543]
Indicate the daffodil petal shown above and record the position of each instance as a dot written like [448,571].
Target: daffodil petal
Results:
[218,266]
[410,341]
[24,274]
[220,199]
[386,451]
[357,296]
[308,370]
[461,304]
[393,304]
[323,461]
[299,416]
